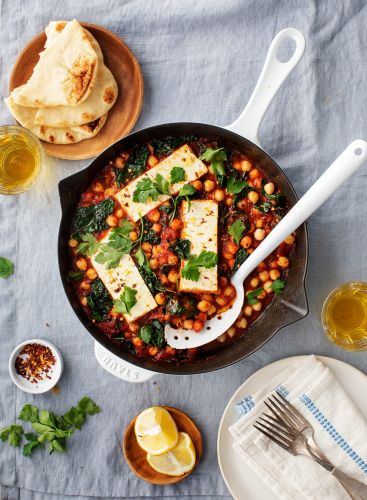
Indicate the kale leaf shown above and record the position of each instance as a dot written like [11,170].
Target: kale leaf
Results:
[181,248]
[92,218]
[241,256]
[99,301]
[134,166]
[166,146]
[153,333]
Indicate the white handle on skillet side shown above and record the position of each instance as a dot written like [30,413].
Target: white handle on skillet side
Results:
[338,172]
[272,76]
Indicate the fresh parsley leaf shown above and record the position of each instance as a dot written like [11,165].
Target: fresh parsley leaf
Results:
[236,230]
[126,301]
[12,434]
[141,257]
[32,445]
[124,229]
[118,244]
[277,286]
[191,269]
[57,445]
[162,185]
[145,190]
[29,413]
[235,186]
[181,248]
[241,256]
[174,307]
[75,275]
[92,218]
[186,190]
[6,267]
[264,206]
[88,407]
[252,296]
[217,158]
[145,333]
[99,300]
[89,244]
[153,333]
[177,175]
[74,417]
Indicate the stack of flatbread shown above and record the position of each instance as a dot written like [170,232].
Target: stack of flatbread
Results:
[68,96]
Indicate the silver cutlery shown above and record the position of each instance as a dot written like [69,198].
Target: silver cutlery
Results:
[288,428]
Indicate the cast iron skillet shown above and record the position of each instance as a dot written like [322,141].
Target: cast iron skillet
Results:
[284,309]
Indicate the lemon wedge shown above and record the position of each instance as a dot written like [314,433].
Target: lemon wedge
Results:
[177,461]
[156,431]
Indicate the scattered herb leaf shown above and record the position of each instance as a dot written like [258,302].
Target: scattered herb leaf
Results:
[75,275]
[252,296]
[216,157]
[236,230]
[6,267]
[177,175]
[89,244]
[145,190]
[191,269]
[12,434]
[235,186]
[126,301]
[277,286]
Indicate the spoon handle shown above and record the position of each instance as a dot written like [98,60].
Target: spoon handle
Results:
[338,172]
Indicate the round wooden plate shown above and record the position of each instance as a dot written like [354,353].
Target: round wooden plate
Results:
[136,457]
[124,113]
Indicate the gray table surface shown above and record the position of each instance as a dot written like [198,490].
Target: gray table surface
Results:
[200,60]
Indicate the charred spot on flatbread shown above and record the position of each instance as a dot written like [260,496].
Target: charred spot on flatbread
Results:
[109,95]
[70,137]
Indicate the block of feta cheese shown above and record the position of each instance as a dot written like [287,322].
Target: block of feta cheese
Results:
[183,157]
[201,229]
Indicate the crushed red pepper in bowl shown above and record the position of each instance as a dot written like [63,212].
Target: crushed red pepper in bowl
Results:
[34,362]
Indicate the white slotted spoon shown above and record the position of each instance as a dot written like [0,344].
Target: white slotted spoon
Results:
[342,168]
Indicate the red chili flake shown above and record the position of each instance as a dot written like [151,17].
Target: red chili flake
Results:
[34,362]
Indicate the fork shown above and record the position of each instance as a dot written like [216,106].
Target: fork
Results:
[288,428]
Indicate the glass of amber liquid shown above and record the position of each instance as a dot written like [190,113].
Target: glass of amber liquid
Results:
[21,157]
[344,316]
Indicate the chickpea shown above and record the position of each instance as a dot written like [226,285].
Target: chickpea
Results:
[81,264]
[84,285]
[120,162]
[133,236]
[198,185]
[269,188]
[109,191]
[257,307]
[237,165]
[212,310]
[246,166]
[227,255]
[84,301]
[264,275]
[253,196]
[154,215]
[222,338]
[229,200]
[204,306]
[247,310]
[209,185]
[160,298]
[219,195]
[254,173]
[164,279]
[176,224]
[259,234]
[137,342]
[274,274]
[261,295]
[152,161]
[283,262]
[261,266]
[119,213]
[152,351]
[188,324]
[221,301]
[208,297]
[98,187]
[112,221]
[231,332]
[254,282]
[232,248]
[223,281]
[172,259]
[268,286]
[229,291]
[147,247]
[259,223]
[246,242]
[289,239]
[274,264]
[91,274]
[250,250]
[157,227]
[241,323]
[172,276]
[198,325]
[153,264]
[73,243]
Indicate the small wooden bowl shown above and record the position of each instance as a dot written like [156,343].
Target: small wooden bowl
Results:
[124,113]
[136,457]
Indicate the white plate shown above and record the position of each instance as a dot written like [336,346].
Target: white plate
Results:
[241,481]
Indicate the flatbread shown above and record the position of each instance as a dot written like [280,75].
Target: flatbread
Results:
[65,73]
[56,135]
[100,101]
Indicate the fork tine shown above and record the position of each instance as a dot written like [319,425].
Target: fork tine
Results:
[286,439]
[284,413]
[287,409]
[276,425]
[293,409]
[279,414]
[273,438]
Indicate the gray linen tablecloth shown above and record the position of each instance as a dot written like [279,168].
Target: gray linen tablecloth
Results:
[201,60]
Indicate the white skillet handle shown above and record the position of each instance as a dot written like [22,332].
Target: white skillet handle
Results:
[272,76]
[339,171]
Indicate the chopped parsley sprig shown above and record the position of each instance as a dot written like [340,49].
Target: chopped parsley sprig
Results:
[205,259]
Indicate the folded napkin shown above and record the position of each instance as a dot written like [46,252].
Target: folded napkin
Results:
[340,432]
